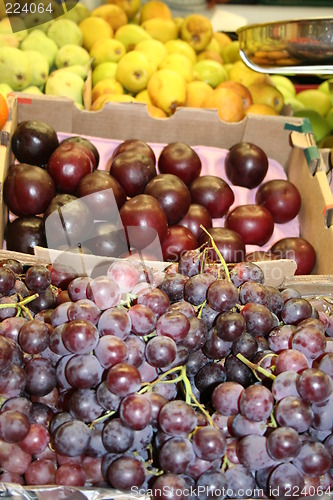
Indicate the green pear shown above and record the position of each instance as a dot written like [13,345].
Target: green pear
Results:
[14,68]
[79,70]
[209,71]
[39,68]
[76,11]
[71,54]
[37,40]
[5,89]
[32,89]
[295,104]
[64,31]
[316,100]
[329,119]
[327,88]
[104,70]
[65,84]
[319,124]
[41,21]
[107,50]
[130,35]
[284,84]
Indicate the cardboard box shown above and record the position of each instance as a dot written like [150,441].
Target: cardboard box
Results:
[286,139]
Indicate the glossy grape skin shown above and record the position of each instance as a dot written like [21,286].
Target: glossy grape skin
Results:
[293,412]
[41,376]
[256,403]
[209,443]
[258,317]
[176,454]
[123,379]
[283,443]
[115,321]
[135,411]
[283,479]
[161,351]
[72,438]
[313,459]
[169,482]
[125,473]
[117,437]
[226,398]
[80,336]
[177,418]
[285,385]
[314,386]
[222,295]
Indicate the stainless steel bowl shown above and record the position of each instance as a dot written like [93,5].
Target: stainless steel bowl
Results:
[301,46]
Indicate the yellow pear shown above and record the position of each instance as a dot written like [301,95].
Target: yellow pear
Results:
[131,7]
[112,14]
[103,99]
[179,46]
[245,75]
[261,109]
[153,9]
[212,55]
[196,93]
[106,86]
[93,29]
[130,35]
[167,90]
[143,96]
[230,53]
[263,93]
[197,30]
[155,112]
[161,29]
[133,71]
[154,50]
[223,39]
[316,100]
[179,63]
[214,45]
[108,50]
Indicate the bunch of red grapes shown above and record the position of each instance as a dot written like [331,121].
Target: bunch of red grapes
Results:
[205,384]
[166,197]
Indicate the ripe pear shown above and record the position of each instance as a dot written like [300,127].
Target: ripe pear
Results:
[316,100]
[106,86]
[197,30]
[38,40]
[94,28]
[39,68]
[113,14]
[154,50]
[263,93]
[161,29]
[71,54]
[79,70]
[131,7]
[5,89]
[283,82]
[76,11]
[9,40]
[66,84]
[40,21]
[14,25]
[294,103]
[130,35]
[211,72]
[143,96]
[329,119]
[167,90]
[212,55]
[109,50]
[223,39]
[103,99]
[230,53]
[196,93]
[15,68]
[181,47]
[104,70]
[179,63]
[133,71]
[155,9]
[245,75]
[64,31]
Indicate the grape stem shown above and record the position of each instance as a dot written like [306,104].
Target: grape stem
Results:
[223,262]
[106,415]
[255,367]
[21,305]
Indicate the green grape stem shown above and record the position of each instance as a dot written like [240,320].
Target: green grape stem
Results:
[21,305]
[223,262]
[255,367]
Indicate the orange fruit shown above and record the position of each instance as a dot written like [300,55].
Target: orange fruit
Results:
[155,112]
[261,109]
[4,111]
[229,104]
[196,93]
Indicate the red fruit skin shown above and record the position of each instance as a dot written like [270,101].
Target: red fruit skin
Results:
[196,216]
[179,239]
[246,165]
[228,242]
[68,164]
[28,189]
[281,198]
[254,223]
[143,219]
[213,193]
[298,249]
[180,159]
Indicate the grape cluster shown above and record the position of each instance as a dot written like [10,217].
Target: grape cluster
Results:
[200,383]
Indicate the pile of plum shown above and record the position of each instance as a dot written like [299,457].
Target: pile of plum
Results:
[199,383]
[119,208]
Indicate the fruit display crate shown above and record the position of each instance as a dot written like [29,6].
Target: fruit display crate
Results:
[287,140]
